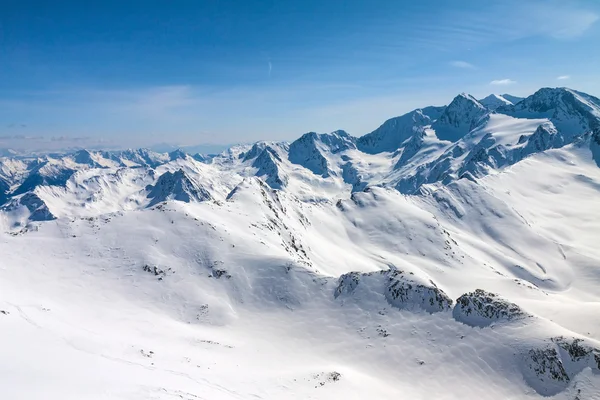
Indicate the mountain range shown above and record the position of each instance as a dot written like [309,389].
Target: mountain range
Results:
[450,253]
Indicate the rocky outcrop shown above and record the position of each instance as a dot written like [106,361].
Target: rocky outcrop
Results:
[401,290]
[405,291]
[481,308]
[550,367]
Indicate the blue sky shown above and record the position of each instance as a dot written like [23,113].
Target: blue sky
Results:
[140,72]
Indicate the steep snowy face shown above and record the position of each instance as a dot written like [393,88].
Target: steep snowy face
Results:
[451,269]
[47,172]
[461,116]
[12,171]
[26,207]
[254,151]
[268,165]
[176,186]
[312,150]
[4,189]
[203,158]
[92,159]
[493,101]
[573,113]
[85,157]
[595,145]
[511,98]
[499,141]
[177,155]
[393,132]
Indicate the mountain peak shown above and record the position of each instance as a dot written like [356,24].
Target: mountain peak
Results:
[267,165]
[493,101]
[395,131]
[176,186]
[177,155]
[310,149]
[572,112]
[459,117]
[464,96]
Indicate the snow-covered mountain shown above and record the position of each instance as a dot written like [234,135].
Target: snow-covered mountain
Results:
[493,101]
[572,112]
[395,131]
[460,117]
[511,98]
[450,253]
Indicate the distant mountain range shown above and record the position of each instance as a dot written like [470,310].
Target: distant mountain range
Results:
[450,253]
[466,139]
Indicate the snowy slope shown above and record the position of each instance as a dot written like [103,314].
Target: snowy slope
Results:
[452,253]
[494,101]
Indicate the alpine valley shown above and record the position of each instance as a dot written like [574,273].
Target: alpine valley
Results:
[452,253]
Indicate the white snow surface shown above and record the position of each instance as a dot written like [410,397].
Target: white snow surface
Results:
[396,265]
[493,101]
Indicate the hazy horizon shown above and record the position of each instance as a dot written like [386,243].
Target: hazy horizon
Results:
[232,72]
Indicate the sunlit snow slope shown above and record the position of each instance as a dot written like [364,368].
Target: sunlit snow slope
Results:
[450,254]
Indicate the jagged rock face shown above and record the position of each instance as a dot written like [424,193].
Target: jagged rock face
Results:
[550,368]
[310,149]
[38,210]
[176,186]
[578,351]
[256,149]
[547,366]
[545,137]
[347,283]
[393,132]
[45,174]
[573,113]
[462,115]
[484,155]
[401,290]
[267,164]
[481,308]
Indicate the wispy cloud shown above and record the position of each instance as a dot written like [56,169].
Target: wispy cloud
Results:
[510,20]
[502,82]
[462,64]
[563,77]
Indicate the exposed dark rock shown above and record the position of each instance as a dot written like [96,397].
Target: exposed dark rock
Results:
[481,308]
[401,290]
[347,283]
